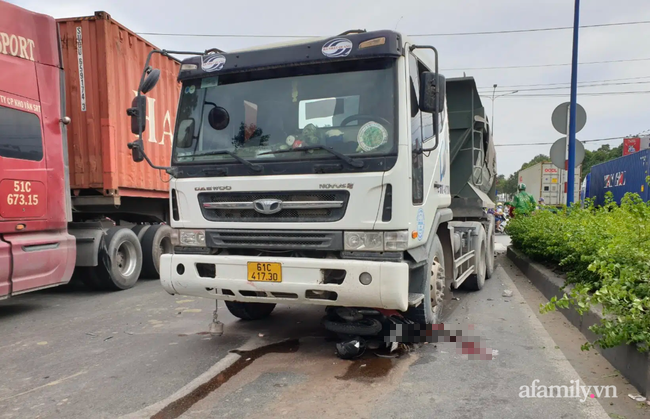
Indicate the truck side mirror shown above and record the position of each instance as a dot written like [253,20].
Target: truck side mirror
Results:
[150,82]
[138,114]
[432,92]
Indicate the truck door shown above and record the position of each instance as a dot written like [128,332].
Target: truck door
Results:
[418,186]
[426,170]
[23,180]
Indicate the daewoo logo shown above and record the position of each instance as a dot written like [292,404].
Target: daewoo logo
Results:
[338,47]
[212,188]
[213,62]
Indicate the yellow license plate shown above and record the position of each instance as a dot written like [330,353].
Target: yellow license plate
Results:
[264,271]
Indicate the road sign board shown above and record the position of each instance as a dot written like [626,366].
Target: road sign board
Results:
[560,117]
[559,156]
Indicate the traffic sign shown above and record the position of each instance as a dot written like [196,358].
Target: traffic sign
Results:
[559,156]
[560,117]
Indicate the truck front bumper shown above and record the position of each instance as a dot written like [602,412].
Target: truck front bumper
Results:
[303,281]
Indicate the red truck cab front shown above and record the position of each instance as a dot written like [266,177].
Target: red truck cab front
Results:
[36,250]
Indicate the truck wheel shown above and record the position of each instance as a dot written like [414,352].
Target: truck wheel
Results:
[489,257]
[476,280]
[120,260]
[156,241]
[434,289]
[139,230]
[250,311]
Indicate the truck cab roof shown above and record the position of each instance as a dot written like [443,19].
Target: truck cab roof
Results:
[347,46]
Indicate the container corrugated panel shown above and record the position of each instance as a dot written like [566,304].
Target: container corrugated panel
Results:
[551,184]
[103,63]
[619,176]
[547,181]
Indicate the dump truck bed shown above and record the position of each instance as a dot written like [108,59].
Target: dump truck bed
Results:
[472,155]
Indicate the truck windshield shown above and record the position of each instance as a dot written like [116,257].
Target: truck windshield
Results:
[346,107]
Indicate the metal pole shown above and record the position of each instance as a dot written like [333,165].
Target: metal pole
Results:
[564,190]
[494,90]
[574,94]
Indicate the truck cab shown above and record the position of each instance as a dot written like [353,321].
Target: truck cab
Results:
[36,250]
[318,172]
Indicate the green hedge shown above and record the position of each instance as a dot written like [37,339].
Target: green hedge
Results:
[605,253]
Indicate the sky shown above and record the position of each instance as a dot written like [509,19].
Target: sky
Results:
[519,118]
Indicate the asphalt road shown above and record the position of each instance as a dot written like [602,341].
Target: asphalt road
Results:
[71,353]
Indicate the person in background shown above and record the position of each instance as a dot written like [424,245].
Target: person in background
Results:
[524,203]
[499,216]
[540,203]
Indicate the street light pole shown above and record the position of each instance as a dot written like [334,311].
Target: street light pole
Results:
[493,98]
[572,109]
[494,90]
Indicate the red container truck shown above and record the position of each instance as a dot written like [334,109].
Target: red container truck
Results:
[71,197]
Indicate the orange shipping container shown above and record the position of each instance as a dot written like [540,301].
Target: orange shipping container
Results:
[103,63]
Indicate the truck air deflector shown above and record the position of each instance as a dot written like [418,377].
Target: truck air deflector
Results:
[310,52]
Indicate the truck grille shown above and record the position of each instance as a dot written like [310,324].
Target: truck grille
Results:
[275,239]
[293,206]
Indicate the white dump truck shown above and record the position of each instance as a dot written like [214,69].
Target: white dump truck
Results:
[341,172]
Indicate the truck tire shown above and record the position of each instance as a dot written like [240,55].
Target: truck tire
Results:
[436,291]
[476,280]
[155,242]
[120,261]
[489,257]
[250,311]
[139,230]
[364,327]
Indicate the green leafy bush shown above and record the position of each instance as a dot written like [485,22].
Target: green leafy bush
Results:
[605,253]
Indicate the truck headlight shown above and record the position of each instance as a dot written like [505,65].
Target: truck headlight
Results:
[188,238]
[359,240]
[396,240]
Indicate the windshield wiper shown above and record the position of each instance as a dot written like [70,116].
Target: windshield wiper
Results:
[252,166]
[349,160]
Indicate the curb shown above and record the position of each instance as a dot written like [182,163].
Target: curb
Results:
[632,364]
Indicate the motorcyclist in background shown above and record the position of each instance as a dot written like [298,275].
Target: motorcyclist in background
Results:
[524,203]
[499,216]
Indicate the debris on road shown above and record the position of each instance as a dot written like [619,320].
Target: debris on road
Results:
[456,298]
[261,335]
[351,349]
[637,398]
[393,355]
[507,293]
